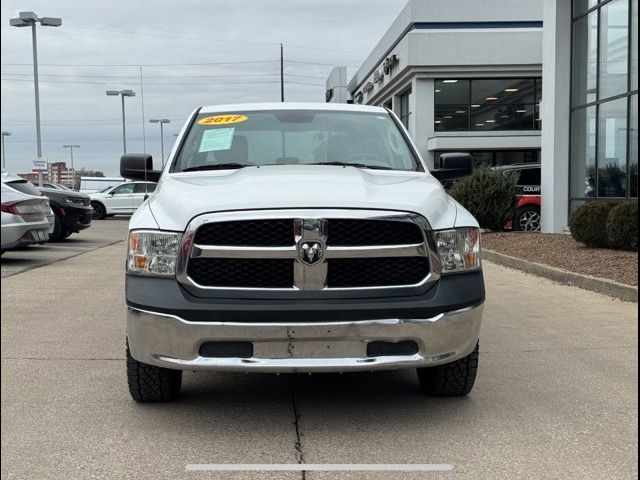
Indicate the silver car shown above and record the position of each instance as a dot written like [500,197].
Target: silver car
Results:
[24,218]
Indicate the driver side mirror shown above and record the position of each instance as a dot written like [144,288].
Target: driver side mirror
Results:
[138,166]
[454,166]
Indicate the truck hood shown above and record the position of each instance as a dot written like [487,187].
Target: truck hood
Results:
[181,196]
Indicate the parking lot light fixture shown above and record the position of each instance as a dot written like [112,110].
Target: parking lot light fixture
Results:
[122,94]
[161,121]
[30,19]
[4,155]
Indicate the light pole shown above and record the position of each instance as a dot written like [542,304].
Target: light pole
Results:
[161,121]
[71,147]
[29,19]
[4,155]
[122,93]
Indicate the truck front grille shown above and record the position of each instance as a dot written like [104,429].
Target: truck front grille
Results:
[242,273]
[300,251]
[375,272]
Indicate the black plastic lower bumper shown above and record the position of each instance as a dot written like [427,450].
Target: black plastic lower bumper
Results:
[75,219]
[452,292]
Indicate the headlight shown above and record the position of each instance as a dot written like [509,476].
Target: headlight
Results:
[153,252]
[459,249]
[77,202]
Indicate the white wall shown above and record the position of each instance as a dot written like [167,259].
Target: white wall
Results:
[556,72]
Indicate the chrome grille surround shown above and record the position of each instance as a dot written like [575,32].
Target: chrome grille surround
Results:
[310,227]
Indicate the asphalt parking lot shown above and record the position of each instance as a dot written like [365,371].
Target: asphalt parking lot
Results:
[556,395]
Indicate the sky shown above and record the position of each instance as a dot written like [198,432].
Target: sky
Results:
[192,53]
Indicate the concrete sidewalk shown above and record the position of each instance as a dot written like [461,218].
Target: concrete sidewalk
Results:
[556,395]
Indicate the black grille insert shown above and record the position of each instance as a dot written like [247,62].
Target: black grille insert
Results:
[240,272]
[379,349]
[354,232]
[376,272]
[257,233]
[226,350]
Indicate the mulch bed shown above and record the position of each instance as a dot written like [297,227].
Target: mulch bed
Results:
[562,251]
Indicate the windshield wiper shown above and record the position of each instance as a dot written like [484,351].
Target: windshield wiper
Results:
[217,166]
[356,165]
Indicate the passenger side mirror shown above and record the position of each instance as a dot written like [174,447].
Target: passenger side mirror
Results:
[454,165]
[138,166]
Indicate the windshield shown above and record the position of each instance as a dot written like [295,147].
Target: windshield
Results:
[295,137]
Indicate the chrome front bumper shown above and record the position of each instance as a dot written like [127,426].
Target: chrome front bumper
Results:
[171,342]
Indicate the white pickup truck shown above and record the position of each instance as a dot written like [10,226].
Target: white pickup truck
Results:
[299,238]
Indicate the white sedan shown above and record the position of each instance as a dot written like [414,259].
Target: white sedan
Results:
[24,219]
[122,199]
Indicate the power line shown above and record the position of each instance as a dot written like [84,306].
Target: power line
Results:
[137,65]
[164,76]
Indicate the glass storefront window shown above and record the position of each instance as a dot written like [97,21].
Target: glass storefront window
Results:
[612,148]
[452,118]
[583,152]
[403,111]
[614,42]
[581,6]
[503,117]
[487,104]
[452,92]
[502,91]
[585,59]
[633,146]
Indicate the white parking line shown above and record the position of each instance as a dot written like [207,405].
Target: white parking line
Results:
[320,467]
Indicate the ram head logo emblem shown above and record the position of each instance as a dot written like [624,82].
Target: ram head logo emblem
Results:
[311,253]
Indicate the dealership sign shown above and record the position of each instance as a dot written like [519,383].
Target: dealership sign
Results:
[39,165]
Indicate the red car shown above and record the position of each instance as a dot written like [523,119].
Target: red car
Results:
[527,215]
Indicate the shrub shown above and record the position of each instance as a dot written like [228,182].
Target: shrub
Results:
[622,226]
[489,195]
[588,223]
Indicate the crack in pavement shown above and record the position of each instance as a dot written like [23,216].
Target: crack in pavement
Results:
[296,423]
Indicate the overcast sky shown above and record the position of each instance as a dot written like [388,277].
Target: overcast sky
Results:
[101,45]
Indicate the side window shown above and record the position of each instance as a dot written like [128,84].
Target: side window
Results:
[529,176]
[123,189]
[142,188]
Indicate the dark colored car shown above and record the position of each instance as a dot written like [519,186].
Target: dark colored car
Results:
[527,216]
[72,211]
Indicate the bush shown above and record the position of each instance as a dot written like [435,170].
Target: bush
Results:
[588,223]
[622,226]
[489,195]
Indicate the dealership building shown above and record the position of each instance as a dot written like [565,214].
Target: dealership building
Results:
[467,75]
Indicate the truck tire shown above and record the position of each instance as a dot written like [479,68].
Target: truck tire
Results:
[99,212]
[453,379]
[148,383]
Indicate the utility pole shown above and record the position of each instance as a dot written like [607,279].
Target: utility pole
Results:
[281,73]
[71,147]
[30,19]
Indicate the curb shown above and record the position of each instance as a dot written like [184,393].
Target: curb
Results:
[599,285]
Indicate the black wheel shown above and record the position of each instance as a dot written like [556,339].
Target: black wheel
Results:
[67,234]
[99,212]
[527,219]
[453,379]
[57,234]
[148,383]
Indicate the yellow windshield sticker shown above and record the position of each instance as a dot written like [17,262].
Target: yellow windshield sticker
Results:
[222,119]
